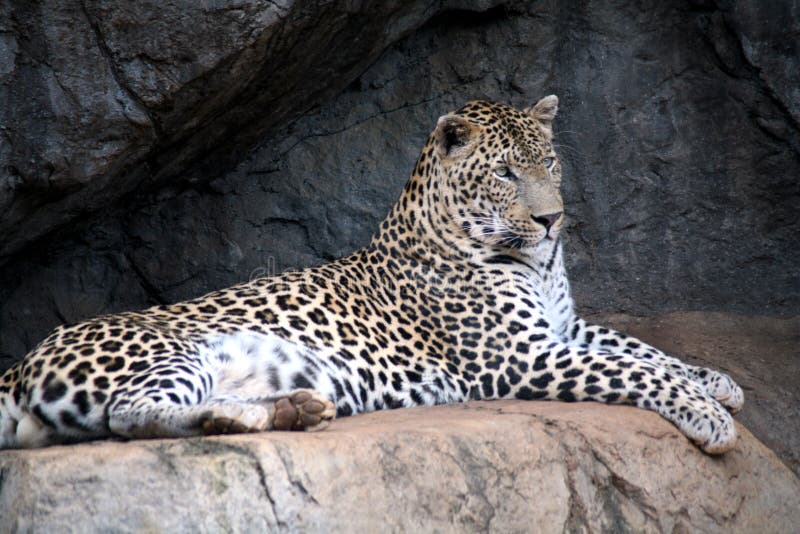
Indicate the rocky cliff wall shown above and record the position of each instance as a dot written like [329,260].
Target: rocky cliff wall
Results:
[155,152]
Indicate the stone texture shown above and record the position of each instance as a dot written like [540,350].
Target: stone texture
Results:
[102,97]
[768,35]
[681,150]
[500,467]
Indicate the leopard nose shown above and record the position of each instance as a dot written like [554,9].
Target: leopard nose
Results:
[548,220]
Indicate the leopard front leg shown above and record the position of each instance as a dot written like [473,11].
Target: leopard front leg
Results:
[717,384]
[561,372]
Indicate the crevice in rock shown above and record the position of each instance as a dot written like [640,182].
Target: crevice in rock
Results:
[262,480]
[291,474]
[150,288]
[738,65]
[352,125]
[118,76]
[202,447]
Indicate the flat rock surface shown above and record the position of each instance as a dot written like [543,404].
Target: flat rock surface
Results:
[505,466]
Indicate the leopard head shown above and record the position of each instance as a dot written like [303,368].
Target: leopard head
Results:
[500,174]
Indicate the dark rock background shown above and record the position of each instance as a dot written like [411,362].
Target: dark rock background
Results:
[156,152]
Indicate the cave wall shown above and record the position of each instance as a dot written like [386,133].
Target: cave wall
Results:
[679,132]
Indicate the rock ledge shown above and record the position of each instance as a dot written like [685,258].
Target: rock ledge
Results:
[500,466]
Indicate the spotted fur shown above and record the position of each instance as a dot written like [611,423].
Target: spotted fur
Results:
[460,295]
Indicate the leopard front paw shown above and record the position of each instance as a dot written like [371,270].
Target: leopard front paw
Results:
[721,387]
[706,423]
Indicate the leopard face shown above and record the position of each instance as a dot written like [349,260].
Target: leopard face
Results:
[502,172]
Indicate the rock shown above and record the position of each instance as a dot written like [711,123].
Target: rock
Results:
[680,161]
[491,466]
[767,34]
[104,97]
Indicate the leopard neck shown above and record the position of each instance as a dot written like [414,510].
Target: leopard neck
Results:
[419,226]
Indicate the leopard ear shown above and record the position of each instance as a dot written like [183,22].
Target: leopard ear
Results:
[545,111]
[453,135]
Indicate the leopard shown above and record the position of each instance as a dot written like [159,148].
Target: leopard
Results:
[460,295]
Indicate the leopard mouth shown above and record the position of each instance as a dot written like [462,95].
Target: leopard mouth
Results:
[514,241]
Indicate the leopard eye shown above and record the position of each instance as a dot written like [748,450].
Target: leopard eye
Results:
[505,173]
[549,162]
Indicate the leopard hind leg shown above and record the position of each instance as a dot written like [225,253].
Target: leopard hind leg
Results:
[293,382]
[250,383]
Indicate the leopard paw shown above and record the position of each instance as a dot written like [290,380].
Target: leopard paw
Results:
[302,409]
[235,419]
[721,387]
[709,425]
